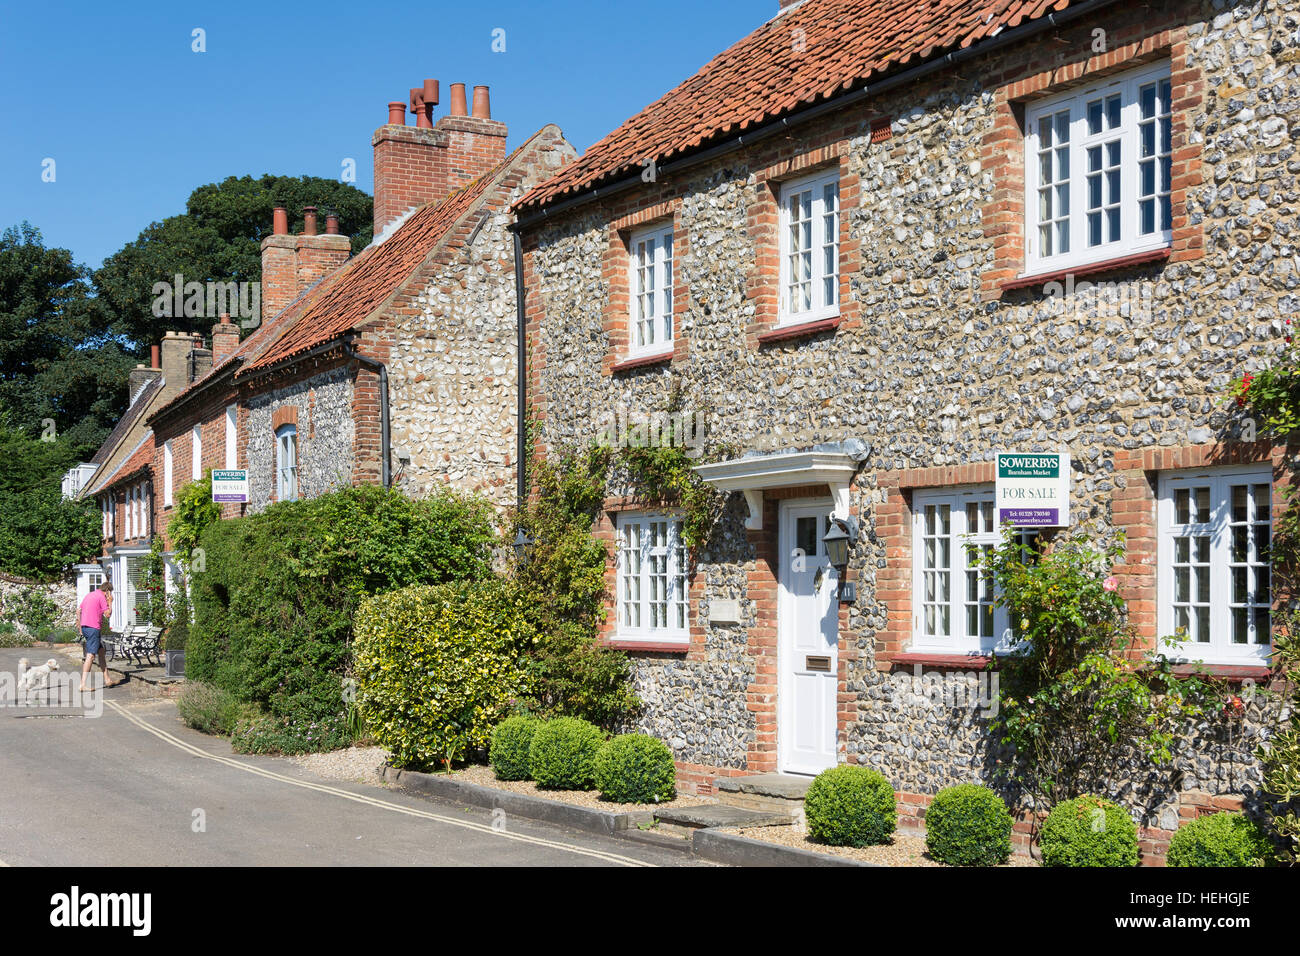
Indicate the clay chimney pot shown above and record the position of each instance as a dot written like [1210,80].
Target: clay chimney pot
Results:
[482,105]
[309,220]
[458,100]
[396,113]
[280,221]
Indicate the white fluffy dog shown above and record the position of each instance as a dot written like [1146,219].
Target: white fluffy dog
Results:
[35,678]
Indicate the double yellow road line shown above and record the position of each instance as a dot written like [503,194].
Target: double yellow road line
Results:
[486,829]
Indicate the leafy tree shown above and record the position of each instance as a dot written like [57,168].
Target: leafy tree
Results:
[217,239]
[58,360]
[40,533]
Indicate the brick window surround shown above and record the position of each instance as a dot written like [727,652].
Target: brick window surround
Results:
[615,268]
[1133,511]
[1002,151]
[284,415]
[764,219]
[606,531]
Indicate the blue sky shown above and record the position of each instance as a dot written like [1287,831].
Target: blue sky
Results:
[134,119]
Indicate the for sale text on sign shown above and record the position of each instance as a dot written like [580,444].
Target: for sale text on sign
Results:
[230,485]
[1033,489]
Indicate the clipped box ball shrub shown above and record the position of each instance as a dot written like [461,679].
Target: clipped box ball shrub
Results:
[563,753]
[1088,831]
[437,667]
[1220,839]
[636,768]
[850,806]
[968,825]
[509,752]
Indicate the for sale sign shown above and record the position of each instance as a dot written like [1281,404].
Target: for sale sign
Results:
[230,485]
[1033,489]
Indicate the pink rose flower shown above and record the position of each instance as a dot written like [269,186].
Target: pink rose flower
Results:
[1110,584]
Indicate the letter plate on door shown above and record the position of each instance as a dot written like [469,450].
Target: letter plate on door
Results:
[822,664]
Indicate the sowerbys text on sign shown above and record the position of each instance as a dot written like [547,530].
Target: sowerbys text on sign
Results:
[1033,489]
[230,485]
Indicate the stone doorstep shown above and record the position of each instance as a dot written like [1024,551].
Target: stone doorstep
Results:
[777,794]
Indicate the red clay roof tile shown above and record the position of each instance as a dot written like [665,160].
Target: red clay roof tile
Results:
[777,69]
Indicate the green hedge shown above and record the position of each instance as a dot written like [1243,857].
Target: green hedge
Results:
[275,600]
[563,754]
[636,768]
[508,754]
[1088,831]
[850,806]
[968,825]
[438,666]
[1220,839]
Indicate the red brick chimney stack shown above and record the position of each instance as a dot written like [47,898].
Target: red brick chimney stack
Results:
[291,264]
[225,339]
[426,162]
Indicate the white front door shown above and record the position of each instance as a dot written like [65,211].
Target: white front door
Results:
[808,641]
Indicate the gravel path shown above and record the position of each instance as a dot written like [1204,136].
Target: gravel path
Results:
[361,764]
[902,851]
[584,798]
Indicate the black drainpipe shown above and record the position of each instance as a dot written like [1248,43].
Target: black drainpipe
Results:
[382,369]
[521,370]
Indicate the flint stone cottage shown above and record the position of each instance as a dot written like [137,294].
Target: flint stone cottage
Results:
[874,245]
[396,367]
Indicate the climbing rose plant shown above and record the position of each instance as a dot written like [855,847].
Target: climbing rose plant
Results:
[1073,702]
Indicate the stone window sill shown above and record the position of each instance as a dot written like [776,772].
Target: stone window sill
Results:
[1088,269]
[785,332]
[641,361]
[1232,673]
[658,647]
[935,659]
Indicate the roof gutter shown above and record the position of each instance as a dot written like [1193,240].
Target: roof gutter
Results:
[839,101]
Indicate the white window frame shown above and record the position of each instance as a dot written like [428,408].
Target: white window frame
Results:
[167,474]
[286,463]
[650,290]
[823,300]
[232,437]
[196,452]
[1131,239]
[634,611]
[130,513]
[959,640]
[1219,528]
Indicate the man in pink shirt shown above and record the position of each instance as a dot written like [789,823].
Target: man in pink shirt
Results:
[96,606]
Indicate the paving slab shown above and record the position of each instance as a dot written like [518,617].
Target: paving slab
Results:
[721,815]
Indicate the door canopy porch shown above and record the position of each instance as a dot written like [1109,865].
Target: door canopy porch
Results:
[833,465]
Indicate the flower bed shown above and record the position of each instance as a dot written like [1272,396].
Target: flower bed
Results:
[901,850]
[484,777]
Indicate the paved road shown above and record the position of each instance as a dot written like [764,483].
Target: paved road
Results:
[123,788]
